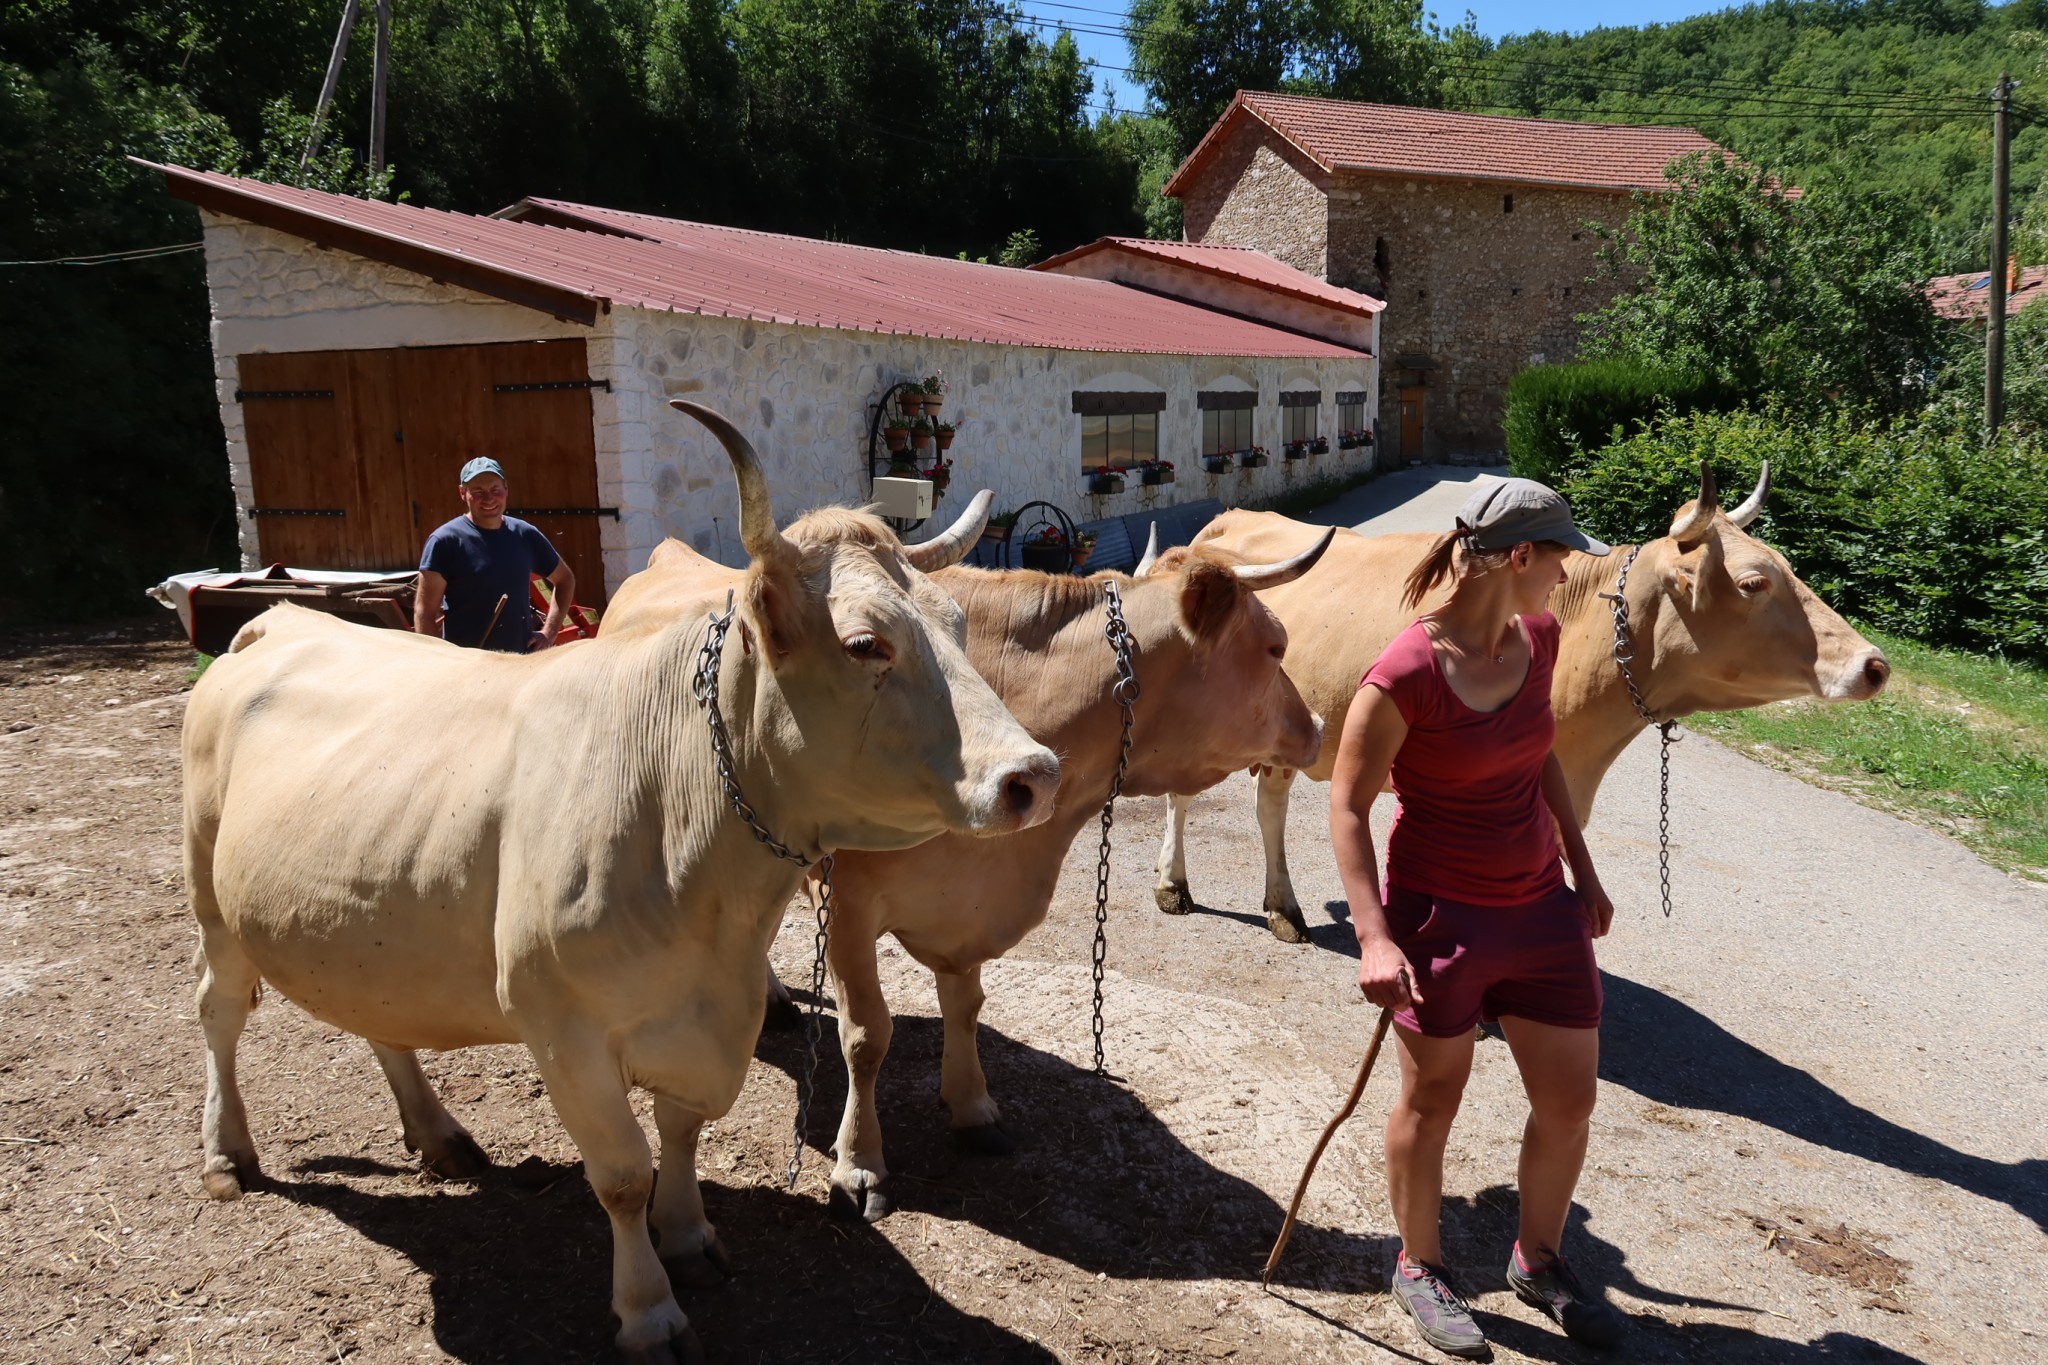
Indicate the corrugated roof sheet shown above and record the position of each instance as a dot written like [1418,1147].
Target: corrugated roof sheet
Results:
[759,276]
[1393,139]
[1244,264]
[1962,298]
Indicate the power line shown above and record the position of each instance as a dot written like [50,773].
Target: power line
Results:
[147,253]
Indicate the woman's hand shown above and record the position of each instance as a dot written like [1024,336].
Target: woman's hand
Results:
[1599,909]
[1385,976]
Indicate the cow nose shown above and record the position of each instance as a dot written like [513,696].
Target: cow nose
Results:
[1876,672]
[1027,791]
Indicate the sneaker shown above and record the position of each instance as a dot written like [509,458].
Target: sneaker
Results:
[1439,1314]
[1556,1292]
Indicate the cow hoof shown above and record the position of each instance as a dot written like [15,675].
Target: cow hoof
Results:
[460,1158]
[710,1267]
[680,1349]
[985,1139]
[869,1204]
[1174,899]
[1286,923]
[225,1180]
[783,1016]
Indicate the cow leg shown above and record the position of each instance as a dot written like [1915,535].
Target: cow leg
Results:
[976,1120]
[1283,912]
[684,1238]
[443,1144]
[782,1014]
[1171,890]
[864,1032]
[584,1081]
[229,987]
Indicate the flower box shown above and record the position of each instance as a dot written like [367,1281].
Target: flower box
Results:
[1294,450]
[1254,458]
[1215,464]
[1347,441]
[1319,446]
[1105,483]
[1155,473]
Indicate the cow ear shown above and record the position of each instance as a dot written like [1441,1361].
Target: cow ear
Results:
[1208,599]
[775,601]
[1708,569]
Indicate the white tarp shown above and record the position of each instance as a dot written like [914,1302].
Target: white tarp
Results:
[175,592]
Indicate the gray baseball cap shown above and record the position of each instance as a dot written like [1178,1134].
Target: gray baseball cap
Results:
[1504,514]
[482,464]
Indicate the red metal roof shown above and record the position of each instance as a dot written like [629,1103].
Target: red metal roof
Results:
[680,267]
[1244,264]
[1965,298]
[1393,139]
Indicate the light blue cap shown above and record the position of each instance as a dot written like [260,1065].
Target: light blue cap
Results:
[482,464]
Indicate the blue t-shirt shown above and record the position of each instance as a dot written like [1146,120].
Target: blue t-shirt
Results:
[482,566]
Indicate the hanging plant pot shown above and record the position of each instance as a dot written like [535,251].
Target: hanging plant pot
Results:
[944,436]
[912,403]
[1047,556]
[932,403]
[898,437]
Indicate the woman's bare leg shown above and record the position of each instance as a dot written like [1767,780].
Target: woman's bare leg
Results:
[1560,1071]
[1433,1074]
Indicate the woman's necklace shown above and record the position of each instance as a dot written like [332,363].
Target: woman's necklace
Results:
[1437,631]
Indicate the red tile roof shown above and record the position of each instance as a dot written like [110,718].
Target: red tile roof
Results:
[1964,298]
[1244,264]
[1393,139]
[680,267]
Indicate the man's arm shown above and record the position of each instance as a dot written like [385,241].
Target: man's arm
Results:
[426,602]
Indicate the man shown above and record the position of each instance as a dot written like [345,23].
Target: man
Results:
[484,557]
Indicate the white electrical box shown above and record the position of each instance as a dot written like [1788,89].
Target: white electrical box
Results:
[910,499]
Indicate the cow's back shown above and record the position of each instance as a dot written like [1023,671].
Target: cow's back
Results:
[344,792]
[1338,618]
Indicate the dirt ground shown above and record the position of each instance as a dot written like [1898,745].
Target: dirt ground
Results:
[1741,1207]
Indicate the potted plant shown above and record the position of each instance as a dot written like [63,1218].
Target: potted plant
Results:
[940,474]
[897,431]
[1294,450]
[942,432]
[934,389]
[1216,463]
[1084,545]
[1108,479]
[920,432]
[1346,439]
[1155,472]
[1319,446]
[911,400]
[901,466]
[999,526]
[1046,550]
[1253,458]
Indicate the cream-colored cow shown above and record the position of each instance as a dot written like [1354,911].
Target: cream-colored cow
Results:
[435,847]
[1720,623]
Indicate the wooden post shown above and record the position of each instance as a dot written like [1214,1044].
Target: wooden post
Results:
[2001,195]
[380,87]
[348,24]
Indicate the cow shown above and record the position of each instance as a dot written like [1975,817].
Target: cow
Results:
[434,847]
[1720,623]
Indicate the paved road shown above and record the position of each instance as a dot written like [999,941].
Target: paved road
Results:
[1422,498]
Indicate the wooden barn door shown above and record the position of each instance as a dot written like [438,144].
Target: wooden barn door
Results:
[354,454]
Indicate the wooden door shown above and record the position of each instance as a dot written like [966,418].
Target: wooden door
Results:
[320,427]
[1414,411]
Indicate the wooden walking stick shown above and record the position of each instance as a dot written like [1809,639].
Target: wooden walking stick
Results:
[496,612]
[1372,1054]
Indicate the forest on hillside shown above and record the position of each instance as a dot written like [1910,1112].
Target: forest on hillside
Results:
[935,125]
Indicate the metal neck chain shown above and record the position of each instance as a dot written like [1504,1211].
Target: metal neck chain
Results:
[704,688]
[1624,655]
[1126,693]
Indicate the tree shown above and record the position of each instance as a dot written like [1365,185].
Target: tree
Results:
[1810,298]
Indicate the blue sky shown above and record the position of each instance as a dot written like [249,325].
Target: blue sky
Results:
[1091,20]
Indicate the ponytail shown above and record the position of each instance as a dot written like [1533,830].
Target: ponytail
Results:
[1435,567]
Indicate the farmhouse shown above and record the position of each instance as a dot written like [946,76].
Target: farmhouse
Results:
[1474,229]
[363,351]
[1967,298]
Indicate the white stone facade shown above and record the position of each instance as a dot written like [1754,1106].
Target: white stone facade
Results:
[803,395]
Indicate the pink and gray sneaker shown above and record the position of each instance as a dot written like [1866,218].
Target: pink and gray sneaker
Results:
[1439,1314]
[1553,1290]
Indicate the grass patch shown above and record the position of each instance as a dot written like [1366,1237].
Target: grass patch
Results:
[198,669]
[1958,742]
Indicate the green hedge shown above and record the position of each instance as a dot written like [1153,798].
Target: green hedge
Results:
[1559,415]
[1917,527]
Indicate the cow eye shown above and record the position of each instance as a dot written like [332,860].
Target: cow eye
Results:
[1279,653]
[865,646]
[1754,584]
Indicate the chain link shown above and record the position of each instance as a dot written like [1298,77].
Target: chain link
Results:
[704,688]
[1125,692]
[1624,655]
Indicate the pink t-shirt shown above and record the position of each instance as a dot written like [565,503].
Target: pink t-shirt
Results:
[1472,824]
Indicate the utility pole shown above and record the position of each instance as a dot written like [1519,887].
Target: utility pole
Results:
[348,24]
[381,83]
[2001,194]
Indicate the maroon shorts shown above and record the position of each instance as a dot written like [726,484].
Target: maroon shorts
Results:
[1474,962]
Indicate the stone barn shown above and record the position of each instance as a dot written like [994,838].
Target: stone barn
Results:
[1472,228]
[365,350]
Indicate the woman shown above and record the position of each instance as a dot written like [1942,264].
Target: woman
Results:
[1476,922]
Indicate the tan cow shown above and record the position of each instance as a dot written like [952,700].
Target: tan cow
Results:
[436,847]
[1213,700]
[1720,621]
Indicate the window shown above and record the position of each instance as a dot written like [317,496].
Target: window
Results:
[1226,420]
[1507,203]
[1121,439]
[1350,412]
[1298,413]
[1118,428]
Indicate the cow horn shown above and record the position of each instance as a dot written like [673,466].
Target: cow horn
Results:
[1151,555]
[758,532]
[944,551]
[1259,576]
[1754,503]
[1689,526]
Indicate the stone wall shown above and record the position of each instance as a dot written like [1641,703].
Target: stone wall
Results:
[803,395]
[1258,190]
